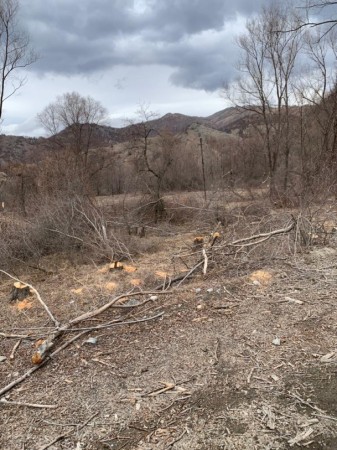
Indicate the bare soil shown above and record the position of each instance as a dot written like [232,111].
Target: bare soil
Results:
[241,350]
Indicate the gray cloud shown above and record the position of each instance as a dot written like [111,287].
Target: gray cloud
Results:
[190,36]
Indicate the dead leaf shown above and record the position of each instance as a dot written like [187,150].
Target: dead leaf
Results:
[130,269]
[136,282]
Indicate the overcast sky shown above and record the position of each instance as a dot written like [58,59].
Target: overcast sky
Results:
[172,54]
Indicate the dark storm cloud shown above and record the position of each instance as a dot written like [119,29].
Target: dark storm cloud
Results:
[88,36]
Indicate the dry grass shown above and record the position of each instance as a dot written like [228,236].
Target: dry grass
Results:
[232,387]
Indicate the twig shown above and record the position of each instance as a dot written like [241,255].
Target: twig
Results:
[250,375]
[14,349]
[304,402]
[217,350]
[63,436]
[190,273]
[56,323]
[204,270]
[29,405]
[15,336]
[323,416]
[168,387]
[263,236]
[115,323]
[66,344]
[104,363]
[170,445]
[43,357]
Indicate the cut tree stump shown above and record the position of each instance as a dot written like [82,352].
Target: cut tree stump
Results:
[20,291]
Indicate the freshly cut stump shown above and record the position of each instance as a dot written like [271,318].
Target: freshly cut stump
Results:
[20,291]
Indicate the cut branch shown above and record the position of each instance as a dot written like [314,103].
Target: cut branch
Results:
[108,305]
[35,368]
[263,236]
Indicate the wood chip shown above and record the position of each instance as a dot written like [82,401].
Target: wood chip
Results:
[301,437]
[328,357]
[294,300]
[274,377]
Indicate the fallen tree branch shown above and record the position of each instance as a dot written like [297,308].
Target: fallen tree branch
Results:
[35,368]
[108,305]
[83,331]
[264,236]
[205,252]
[184,277]
[115,323]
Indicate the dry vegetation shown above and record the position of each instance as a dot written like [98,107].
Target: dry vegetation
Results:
[174,287]
[239,357]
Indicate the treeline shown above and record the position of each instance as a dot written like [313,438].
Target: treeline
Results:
[288,87]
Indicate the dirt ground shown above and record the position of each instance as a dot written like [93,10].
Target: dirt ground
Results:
[244,357]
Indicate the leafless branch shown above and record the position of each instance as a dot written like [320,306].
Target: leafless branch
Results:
[108,305]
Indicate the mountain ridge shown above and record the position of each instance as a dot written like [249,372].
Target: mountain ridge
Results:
[24,149]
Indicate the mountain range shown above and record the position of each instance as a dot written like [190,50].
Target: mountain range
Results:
[27,149]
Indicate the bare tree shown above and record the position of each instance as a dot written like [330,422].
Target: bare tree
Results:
[317,6]
[317,95]
[153,157]
[265,88]
[15,51]
[78,116]
[320,89]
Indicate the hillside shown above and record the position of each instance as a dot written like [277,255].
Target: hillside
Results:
[26,149]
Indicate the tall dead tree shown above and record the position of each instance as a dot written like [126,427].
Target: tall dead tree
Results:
[15,51]
[71,120]
[268,63]
[154,156]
